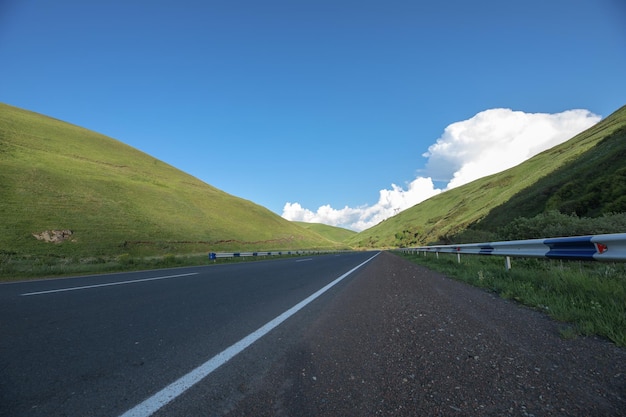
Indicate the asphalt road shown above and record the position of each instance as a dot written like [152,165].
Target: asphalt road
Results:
[101,345]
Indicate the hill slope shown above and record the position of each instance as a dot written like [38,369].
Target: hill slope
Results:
[587,155]
[593,184]
[114,199]
[336,234]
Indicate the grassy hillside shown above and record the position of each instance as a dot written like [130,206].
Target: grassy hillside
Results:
[592,157]
[592,185]
[336,234]
[117,200]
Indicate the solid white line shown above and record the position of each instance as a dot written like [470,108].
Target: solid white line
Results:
[178,387]
[106,285]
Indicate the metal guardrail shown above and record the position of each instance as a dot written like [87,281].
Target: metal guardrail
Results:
[609,248]
[217,255]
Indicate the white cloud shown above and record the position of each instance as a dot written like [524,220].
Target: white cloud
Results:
[325,214]
[390,202]
[489,142]
[498,139]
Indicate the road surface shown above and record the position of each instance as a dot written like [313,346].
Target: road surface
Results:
[100,345]
[389,338]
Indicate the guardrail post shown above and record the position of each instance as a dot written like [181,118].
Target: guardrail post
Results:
[507,263]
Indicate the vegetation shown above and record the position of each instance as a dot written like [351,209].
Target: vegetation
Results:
[585,176]
[554,224]
[336,234]
[549,224]
[111,201]
[15,267]
[591,185]
[587,297]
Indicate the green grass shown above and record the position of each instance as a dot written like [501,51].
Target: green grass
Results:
[336,234]
[441,217]
[589,297]
[591,185]
[15,268]
[118,201]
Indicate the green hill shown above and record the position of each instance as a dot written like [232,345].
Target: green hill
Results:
[97,196]
[586,175]
[336,234]
[591,185]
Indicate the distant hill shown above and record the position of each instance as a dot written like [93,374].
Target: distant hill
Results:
[336,234]
[97,196]
[585,175]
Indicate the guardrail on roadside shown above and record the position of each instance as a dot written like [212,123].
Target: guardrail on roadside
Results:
[609,248]
[216,255]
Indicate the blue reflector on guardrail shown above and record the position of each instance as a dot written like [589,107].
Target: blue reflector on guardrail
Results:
[571,248]
[485,250]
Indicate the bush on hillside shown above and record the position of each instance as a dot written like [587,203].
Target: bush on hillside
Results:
[556,224]
[409,237]
[587,197]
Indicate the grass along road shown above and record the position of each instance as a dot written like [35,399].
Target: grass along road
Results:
[588,298]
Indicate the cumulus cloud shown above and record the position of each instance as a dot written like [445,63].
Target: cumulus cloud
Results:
[390,202]
[489,142]
[498,139]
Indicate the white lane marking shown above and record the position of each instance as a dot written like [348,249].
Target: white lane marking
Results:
[178,387]
[106,285]
[304,260]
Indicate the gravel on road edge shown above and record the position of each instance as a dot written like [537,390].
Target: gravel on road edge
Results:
[401,340]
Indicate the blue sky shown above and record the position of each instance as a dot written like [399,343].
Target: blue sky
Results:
[338,108]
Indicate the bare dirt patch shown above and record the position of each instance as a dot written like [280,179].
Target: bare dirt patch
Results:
[53,236]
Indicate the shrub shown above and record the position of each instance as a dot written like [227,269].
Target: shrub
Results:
[554,224]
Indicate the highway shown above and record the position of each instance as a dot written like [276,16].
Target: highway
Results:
[111,345]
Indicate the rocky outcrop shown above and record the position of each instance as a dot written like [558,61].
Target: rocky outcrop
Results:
[53,236]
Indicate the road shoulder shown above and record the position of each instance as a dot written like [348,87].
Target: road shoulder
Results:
[402,340]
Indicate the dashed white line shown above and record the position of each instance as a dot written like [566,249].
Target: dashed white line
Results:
[106,285]
[178,387]
[304,260]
